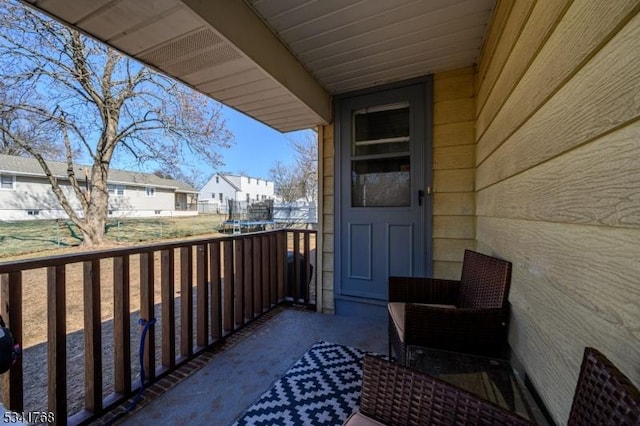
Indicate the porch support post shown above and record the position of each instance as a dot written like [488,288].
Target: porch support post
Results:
[320,227]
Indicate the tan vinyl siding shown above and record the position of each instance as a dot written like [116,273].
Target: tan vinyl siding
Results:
[558,184]
[513,25]
[325,135]
[453,171]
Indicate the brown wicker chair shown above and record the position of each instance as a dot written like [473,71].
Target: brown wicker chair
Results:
[476,324]
[604,396]
[396,395]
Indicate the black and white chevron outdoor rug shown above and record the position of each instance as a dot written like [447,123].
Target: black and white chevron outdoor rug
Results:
[322,388]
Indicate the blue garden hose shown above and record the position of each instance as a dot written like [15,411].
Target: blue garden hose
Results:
[146,326]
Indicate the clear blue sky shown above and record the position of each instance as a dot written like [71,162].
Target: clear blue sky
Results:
[256,146]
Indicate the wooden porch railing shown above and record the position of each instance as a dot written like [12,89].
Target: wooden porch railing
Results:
[225,283]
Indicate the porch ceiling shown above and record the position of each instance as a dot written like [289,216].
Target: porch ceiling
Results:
[280,61]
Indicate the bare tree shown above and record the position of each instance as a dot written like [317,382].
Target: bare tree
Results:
[38,136]
[286,182]
[306,163]
[98,105]
[193,176]
[300,179]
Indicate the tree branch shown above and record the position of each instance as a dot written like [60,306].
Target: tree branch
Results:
[80,195]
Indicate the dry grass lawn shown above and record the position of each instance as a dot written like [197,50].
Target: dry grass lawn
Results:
[34,237]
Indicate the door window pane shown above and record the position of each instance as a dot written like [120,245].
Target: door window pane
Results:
[381,165]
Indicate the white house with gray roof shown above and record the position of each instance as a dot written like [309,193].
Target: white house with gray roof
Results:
[25,192]
[223,187]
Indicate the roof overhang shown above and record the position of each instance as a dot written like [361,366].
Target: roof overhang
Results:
[280,62]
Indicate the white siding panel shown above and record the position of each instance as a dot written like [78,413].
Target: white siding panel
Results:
[32,193]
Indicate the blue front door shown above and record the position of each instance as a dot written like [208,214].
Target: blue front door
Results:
[382,191]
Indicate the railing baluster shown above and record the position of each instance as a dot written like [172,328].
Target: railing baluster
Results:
[167,291]
[147,312]
[273,270]
[248,279]
[227,291]
[92,337]
[266,302]
[57,342]
[307,269]
[121,324]
[216,291]
[281,238]
[238,281]
[11,310]
[296,266]
[186,301]
[202,334]
[257,276]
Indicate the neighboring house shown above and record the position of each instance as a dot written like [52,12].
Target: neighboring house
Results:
[223,187]
[25,192]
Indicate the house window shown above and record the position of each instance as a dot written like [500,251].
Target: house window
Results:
[217,179]
[33,212]
[248,198]
[220,196]
[157,211]
[150,191]
[115,189]
[7,182]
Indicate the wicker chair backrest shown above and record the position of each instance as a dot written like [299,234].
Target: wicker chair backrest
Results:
[485,281]
[604,396]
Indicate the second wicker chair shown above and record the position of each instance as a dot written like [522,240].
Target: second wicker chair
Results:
[396,395]
[470,315]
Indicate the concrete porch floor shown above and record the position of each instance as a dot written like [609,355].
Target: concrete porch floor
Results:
[232,380]
[223,384]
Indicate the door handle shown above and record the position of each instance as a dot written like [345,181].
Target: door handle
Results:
[420,196]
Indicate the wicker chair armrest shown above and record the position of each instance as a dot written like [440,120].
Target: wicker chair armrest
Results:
[423,290]
[396,395]
[455,329]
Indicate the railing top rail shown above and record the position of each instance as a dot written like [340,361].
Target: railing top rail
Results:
[64,259]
